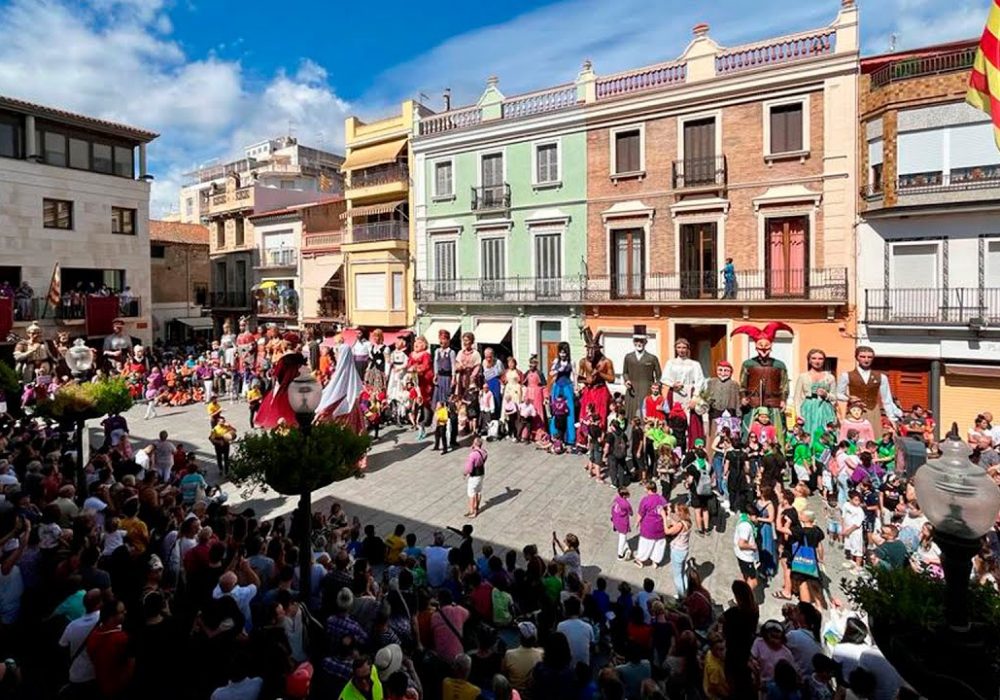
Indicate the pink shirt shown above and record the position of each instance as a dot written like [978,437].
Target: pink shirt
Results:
[447,644]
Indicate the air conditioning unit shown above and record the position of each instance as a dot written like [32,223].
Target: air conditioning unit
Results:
[977,324]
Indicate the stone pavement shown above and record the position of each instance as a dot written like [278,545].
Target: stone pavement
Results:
[527,495]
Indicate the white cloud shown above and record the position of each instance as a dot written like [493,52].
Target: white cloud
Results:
[915,23]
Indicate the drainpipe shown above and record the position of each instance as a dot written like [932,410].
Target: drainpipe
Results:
[935,397]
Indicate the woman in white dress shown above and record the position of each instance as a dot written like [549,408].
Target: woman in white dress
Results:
[396,392]
[684,379]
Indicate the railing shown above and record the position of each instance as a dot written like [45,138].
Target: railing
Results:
[379,175]
[506,290]
[325,239]
[817,285]
[491,197]
[905,69]
[276,306]
[539,102]
[956,180]
[957,306]
[648,78]
[787,50]
[699,172]
[448,121]
[873,190]
[281,257]
[70,307]
[230,300]
[380,231]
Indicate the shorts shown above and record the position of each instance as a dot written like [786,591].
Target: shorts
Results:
[596,453]
[474,486]
[702,502]
[748,569]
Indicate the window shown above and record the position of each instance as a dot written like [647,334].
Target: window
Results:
[54,148]
[491,265]
[102,158]
[992,277]
[875,156]
[445,267]
[238,223]
[548,264]
[157,251]
[220,282]
[547,163]
[786,128]
[914,266]
[123,221]
[628,263]
[397,291]
[189,206]
[10,136]
[124,166]
[369,291]
[626,151]
[920,158]
[57,213]
[444,184]
[220,234]
[79,154]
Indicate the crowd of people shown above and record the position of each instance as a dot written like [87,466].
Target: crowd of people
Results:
[150,585]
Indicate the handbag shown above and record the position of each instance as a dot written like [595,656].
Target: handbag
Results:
[804,559]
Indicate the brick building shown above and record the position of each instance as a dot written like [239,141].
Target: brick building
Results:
[745,152]
[929,269]
[180,272]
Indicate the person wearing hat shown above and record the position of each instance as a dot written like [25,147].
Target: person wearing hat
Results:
[32,354]
[764,378]
[640,370]
[684,379]
[388,660]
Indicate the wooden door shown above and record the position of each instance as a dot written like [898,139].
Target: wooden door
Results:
[549,335]
[787,252]
[909,381]
[628,263]
[699,261]
[699,152]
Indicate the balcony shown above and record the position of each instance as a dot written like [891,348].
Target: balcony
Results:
[241,198]
[230,300]
[322,241]
[278,257]
[951,62]
[379,175]
[489,198]
[700,173]
[820,285]
[376,231]
[277,306]
[72,307]
[956,306]
[956,180]
[873,190]
[513,290]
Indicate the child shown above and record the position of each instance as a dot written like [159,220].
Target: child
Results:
[595,446]
[394,545]
[852,531]
[471,402]
[441,428]
[510,417]
[638,449]
[802,458]
[454,404]
[621,517]
[413,403]
[254,397]
[527,413]
[486,405]
[856,420]
[885,451]
[762,428]
[557,447]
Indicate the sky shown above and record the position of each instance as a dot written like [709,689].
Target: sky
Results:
[213,76]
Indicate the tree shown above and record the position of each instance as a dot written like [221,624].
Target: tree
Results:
[297,462]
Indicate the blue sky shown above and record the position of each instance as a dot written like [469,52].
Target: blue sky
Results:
[214,75]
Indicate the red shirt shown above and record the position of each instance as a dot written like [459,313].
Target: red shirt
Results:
[481,598]
[108,651]
[654,408]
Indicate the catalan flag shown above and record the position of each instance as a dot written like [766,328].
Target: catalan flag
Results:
[55,288]
[984,82]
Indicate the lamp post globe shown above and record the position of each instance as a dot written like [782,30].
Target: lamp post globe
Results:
[79,358]
[304,395]
[961,501]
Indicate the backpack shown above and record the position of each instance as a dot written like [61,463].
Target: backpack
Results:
[559,406]
[704,485]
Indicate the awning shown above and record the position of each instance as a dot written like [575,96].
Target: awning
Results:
[198,323]
[379,154]
[492,332]
[431,334]
[991,371]
[373,209]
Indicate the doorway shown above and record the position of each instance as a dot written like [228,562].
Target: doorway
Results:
[699,261]
[628,263]
[708,343]
[549,337]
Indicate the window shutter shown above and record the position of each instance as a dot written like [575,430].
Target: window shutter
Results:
[779,136]
[369,291]
[914,266]
[444,260]
[875,156]
[972,146]
[920,152]
[793,128]
[627,152]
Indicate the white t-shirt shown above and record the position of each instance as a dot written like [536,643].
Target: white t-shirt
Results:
[75,634]
[850,656]
[803,647]
[744,532]
[246,689]
[580,635]
[142,459]
[163,455]
[242,595]
[437,565]
[851,515]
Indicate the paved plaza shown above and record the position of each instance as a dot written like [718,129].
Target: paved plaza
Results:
[527,494]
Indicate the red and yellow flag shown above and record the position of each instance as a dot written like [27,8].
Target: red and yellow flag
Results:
[55,288]
[984,81]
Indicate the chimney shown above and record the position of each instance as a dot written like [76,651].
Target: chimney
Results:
[447,99]
[700,29]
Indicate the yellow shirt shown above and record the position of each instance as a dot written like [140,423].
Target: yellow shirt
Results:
[220,430]
[716,686]
[455,689]
[441,416]
[394,544]
[253,394]
[213,407]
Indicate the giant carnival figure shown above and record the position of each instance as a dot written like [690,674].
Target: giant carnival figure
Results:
[594,373]
[562,411]
[640,371]
[33,355]
[684,379]
[276,405]
[764,379]
[117,345]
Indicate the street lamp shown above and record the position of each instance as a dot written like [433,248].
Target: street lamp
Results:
[80,359]
[961,501]
[304,395]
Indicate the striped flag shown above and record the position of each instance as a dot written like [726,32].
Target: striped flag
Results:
[984,81]
[55,288]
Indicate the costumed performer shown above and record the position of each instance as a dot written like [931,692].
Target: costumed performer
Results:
[594,373]
[764,379]
[684,380]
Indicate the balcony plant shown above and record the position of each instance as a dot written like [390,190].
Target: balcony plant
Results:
[908,622]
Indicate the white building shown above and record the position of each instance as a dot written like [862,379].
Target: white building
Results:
[74,191]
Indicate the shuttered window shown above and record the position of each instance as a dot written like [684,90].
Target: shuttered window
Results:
[548,264]
[992,277]
[369,291]
[627,151]
[444,260]
[915,266]
[443,181]
[397,291]
[491,258]
[547,163]
[920,152]
[786,128]
[971,145]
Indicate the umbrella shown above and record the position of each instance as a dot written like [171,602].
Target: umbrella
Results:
[269,284]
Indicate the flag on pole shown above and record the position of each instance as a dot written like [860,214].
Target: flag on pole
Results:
[339,402]
[55,289]
[984,81]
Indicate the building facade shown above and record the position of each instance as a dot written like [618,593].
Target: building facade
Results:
[929,241]
[74,192]
[181,274]
[745,152]
[292,274]
[378,274]
[501,220]
[273,175]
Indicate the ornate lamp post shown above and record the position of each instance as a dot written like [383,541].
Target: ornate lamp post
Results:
[80,359]
[304,394]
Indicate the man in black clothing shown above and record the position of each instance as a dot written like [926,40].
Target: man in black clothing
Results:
[773,465]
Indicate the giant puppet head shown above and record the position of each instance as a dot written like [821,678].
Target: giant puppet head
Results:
[593,343]
[763,337]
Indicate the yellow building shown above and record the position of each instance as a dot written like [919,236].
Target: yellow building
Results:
[378,269]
